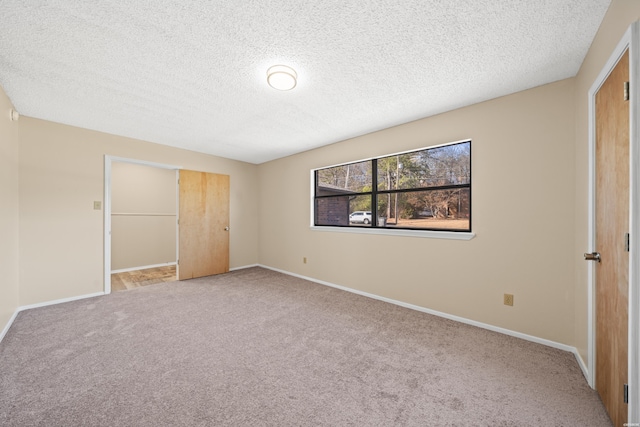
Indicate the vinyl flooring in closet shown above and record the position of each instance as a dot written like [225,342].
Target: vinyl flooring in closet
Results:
[137,278]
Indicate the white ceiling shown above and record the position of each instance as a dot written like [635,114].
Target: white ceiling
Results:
[192,74]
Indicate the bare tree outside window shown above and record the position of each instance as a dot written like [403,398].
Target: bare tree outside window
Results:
[426,189]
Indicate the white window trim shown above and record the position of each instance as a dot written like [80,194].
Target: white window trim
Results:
[430,234]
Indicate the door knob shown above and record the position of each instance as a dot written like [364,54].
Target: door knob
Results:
[593,256]
[226,228]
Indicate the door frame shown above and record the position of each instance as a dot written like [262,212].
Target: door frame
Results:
[630,41]
[108,160]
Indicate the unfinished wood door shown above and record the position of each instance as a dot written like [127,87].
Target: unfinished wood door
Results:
[203,229]
[612,224]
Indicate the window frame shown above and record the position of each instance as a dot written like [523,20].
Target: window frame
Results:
[466,234]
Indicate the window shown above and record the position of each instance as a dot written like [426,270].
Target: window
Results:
[428,189]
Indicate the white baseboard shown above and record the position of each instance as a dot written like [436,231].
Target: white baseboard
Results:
[583,366]
[144,267]
[8,325]
[44,304]
[509,332]
[244,267]
[59,301]
[124,270]
[487,326]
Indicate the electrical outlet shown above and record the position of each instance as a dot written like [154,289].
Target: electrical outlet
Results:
[304,260]
[508,299]
[97,205]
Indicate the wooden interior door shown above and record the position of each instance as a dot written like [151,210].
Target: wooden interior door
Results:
[203,228]
[612,226]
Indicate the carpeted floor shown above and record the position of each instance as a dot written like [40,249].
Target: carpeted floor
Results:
[259,348]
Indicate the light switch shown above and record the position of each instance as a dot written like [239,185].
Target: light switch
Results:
[97,205]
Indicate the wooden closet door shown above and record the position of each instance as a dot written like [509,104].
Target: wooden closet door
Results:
[612,226]
[203,228]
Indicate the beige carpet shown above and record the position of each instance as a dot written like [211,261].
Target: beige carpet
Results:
[259,348]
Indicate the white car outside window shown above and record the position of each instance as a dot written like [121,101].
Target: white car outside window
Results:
[360,217]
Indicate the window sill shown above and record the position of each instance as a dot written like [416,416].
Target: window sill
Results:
[449,235]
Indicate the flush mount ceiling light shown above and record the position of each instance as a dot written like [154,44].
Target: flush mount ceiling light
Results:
[281,77]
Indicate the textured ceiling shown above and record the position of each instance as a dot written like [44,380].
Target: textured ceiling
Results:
[192,74]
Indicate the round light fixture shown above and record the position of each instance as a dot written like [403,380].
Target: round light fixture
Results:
[282,77]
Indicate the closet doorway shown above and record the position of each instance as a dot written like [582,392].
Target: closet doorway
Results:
[163,223]
[141,214]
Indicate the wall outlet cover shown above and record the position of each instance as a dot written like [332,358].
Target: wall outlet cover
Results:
[508,299]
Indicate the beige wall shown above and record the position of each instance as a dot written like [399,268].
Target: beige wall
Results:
[620,15]
[143,216]
[8,212]
[61,235]
[523,212]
